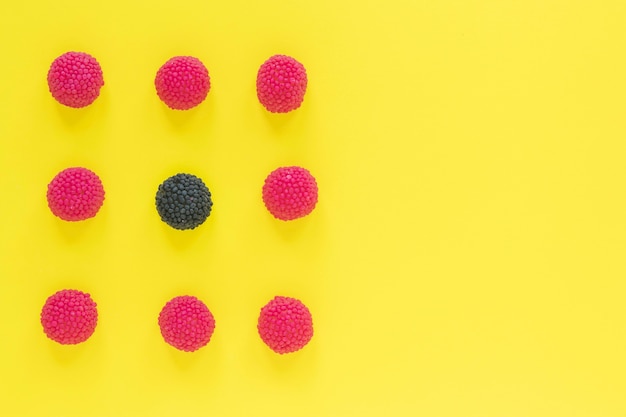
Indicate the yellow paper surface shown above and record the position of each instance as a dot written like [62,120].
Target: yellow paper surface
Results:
[466,257]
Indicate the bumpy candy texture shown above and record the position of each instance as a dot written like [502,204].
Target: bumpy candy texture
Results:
[75,194]
[182,83]
[281,83]
[183,201]
[75,79]
[290,193]
[69,317]
[285,325]
[186,323]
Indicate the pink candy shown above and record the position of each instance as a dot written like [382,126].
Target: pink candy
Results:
[75,79]
[182,83]
[290,193]
[75,194]
[281,84]
[69,317]
[186,323]
[285,325]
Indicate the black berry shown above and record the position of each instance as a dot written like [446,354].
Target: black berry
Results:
[183,201]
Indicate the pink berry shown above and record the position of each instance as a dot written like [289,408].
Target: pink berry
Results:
[69,317]
[290,193]
[186,323]
[281,83]
[75,194]
[182,83]
[285,325]
[75,79]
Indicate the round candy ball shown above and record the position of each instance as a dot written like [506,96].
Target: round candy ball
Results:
[186,323]
[281,84]
[69,317]
[290,193]
[75,79]
[182,82]
[285,325]
[75,194]
[183,201]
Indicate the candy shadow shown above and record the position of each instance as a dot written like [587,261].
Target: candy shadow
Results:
[294,369]
[180,118]
[184,360]
[85,116]
[189,127]
[181,239]
[290,123]
[291,230]
[189,361]
[196,120]
[280,121]
[66,355]
[72,232]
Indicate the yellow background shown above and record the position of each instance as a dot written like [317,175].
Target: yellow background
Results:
[466,258]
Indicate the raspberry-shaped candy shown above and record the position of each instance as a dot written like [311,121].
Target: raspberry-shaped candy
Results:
[281,83]
[182,83]
[75,79]
[290,193]
[75,194]
[285,325]
[69,317]
[183,201]
[186,323]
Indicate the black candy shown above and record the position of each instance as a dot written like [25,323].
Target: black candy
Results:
[183,201]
